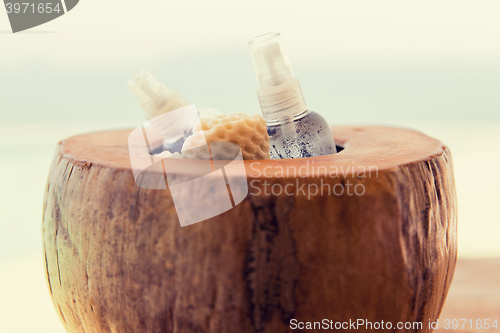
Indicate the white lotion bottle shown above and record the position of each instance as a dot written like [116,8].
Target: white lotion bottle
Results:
[294,131]
[156,100]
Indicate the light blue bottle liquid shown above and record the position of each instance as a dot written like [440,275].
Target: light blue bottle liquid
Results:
[294,131]
[306,135]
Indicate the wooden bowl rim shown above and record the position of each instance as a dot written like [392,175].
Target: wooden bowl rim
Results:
[365,147]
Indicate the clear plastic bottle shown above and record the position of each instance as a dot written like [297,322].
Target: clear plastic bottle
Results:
[294,131]
[157,100]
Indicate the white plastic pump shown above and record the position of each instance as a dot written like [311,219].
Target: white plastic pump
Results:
[153,96]
[158,102]
[279,91]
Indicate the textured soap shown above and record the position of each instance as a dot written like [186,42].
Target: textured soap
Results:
[248,132]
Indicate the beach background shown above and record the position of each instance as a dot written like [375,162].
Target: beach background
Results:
[432,66]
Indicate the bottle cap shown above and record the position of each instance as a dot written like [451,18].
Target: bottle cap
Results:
[279,91]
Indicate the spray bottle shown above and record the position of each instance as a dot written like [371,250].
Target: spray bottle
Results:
[294,131]
[156,100]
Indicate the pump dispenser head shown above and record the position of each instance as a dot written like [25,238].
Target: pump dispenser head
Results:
[279,91]
[154,97]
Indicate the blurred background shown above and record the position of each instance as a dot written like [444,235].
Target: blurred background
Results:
[430,65]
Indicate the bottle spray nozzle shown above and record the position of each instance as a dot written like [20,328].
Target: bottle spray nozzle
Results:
[153,96]
[272,66]
[144,87]
[279,90]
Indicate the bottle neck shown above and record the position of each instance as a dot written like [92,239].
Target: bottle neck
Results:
[174,124]
[281,102]
[164,101]
[288,120]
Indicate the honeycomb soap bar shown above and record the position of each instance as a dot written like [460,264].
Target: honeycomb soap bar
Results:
[248,132]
